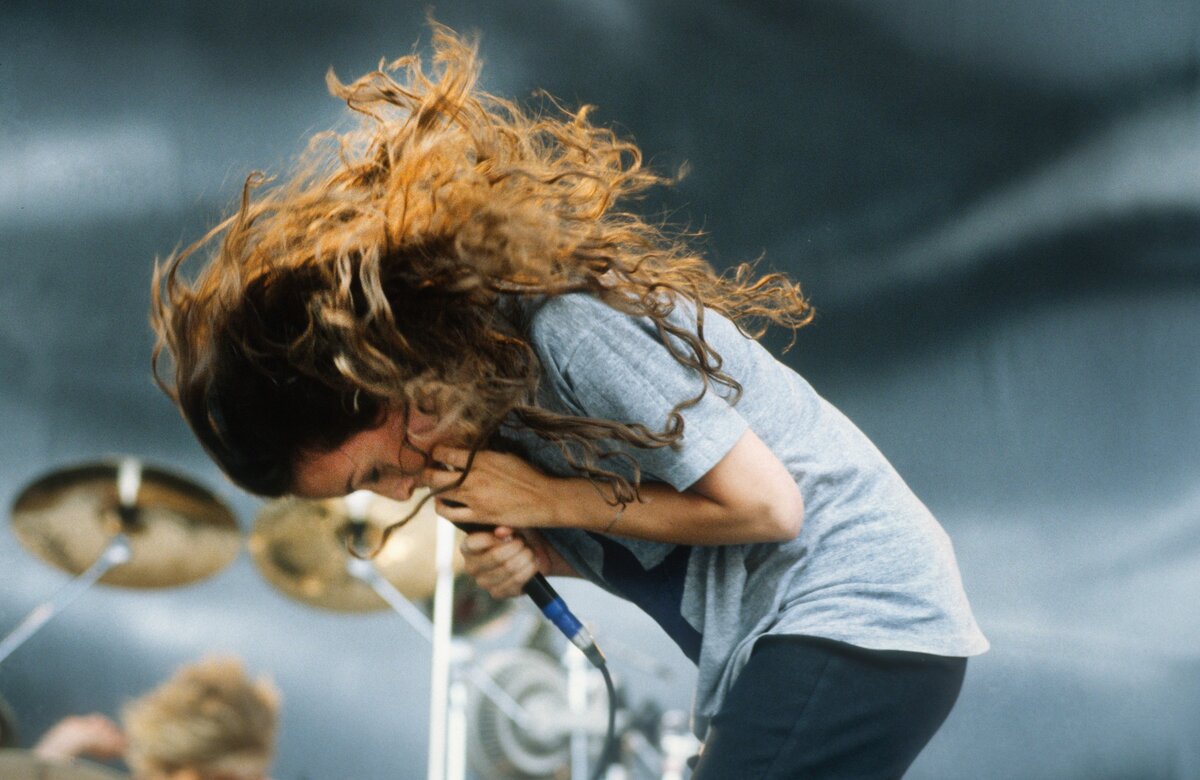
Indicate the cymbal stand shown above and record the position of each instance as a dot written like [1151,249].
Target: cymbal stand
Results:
[450,667]
[118,551]
[443,620]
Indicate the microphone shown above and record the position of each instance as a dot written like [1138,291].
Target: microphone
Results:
[553,607]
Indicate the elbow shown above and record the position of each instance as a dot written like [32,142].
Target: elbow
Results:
[783,516]
[791,520]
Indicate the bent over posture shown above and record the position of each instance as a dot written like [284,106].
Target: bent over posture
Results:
[452,296]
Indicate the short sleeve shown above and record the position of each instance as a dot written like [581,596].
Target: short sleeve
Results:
[619,370]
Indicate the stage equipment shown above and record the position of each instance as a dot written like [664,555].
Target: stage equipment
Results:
[555,609]
[565,717]
[121,523]
[299,546]
[657,744]
[302,547]
[24,765]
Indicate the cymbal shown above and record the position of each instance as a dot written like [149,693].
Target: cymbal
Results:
[299,547]
[178,531]
[24,765]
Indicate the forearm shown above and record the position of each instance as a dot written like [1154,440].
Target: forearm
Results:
[747,497]
[665,515]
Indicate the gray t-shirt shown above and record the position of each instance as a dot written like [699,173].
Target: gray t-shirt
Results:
[871,566]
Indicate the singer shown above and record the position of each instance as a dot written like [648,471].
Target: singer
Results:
[452,294]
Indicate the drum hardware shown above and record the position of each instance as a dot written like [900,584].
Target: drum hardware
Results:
[451,664]
[303,548]
[121,523]
[564,700]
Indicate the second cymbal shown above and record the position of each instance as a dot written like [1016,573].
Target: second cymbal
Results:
[299,546]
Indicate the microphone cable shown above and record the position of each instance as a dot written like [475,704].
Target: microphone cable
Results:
[608,753]
[555,610]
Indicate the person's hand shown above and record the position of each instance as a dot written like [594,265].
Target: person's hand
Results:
[500,490]
[92,736]
[501,561]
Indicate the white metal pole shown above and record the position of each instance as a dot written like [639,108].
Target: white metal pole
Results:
[443,618]
[117,552]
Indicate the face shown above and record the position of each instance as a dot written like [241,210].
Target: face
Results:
[378,459]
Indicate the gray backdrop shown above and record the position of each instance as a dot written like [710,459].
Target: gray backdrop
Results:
[994,206]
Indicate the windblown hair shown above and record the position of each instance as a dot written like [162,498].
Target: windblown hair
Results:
[210,718]
[376,276]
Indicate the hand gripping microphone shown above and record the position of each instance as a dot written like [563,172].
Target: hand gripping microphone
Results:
[553,607]
[555,610]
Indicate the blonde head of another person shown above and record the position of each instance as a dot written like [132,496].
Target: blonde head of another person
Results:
[207,722]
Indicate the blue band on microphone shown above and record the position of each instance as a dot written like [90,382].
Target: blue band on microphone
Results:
[558,614]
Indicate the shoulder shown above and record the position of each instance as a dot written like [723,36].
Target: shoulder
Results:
[561,324]
[569,313]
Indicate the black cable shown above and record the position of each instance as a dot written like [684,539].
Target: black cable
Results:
[609,751]
[556,611]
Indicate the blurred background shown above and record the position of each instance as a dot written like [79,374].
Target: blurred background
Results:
[995,208]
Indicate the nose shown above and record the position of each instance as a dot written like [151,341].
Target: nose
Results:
[405,488]
[398,488]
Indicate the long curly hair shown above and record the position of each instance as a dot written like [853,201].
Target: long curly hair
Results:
[375,277]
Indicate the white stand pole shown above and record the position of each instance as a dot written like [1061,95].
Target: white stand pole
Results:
[366,571]
[443,617]
[117,552]
[451,664]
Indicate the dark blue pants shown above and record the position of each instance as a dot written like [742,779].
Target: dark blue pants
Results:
[805,707]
